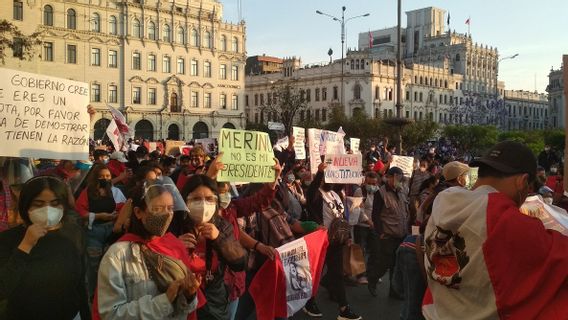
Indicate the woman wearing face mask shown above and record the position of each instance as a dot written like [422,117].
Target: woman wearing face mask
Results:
[146,274]
[211,239]
[42,267]
[98,205]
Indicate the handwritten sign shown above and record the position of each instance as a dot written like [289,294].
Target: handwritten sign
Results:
[354,142]
[344,168]
[276,126]
[247,156]
[406,164]
[314,137]
[281,144]
[471,177]
[299,142]
[173,147]
[209,145]
[43,116]
[331,142]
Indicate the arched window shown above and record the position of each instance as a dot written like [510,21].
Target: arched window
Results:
[136,29]
[181,35]
[352,64]
[207,39]
[200,130]
[173,132]
[144,129]
[71,19]
[357,92]
[235,45]
[194,38]
[174,103]
[357,64]
[112,26]
[167,33]
[96,22]
[151,30]
[458,57]
[48,15]
[223,43]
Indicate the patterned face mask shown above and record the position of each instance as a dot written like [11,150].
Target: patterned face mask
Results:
[157,224]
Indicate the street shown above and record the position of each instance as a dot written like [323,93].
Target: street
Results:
[380,307]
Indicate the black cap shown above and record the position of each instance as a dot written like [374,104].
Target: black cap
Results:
[509,157]
[395,170]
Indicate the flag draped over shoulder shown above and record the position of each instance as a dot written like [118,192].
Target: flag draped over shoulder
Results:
[283,286]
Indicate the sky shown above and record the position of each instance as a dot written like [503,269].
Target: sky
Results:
[536,30]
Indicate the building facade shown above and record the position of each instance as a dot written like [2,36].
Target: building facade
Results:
[263,65]
[527,110]
[174,68]
[557,98]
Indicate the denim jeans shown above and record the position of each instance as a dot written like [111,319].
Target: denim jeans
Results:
[233,308]
[97,240]
[409,282]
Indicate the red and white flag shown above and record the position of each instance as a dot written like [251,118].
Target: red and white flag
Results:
[370,40]
[283,286]
[114,135]
[120,120]
[468,21]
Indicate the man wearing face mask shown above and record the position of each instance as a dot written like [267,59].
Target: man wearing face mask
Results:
[390,218]
[547,158]
[418,177]
[483,255]
[362,231]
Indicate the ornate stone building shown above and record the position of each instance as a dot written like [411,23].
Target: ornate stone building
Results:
[527,110]
[174,68]
[557,98]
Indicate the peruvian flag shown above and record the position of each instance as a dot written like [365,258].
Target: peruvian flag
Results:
[468,21]
[120,120]
[370,40]
[283,286]
[114,135]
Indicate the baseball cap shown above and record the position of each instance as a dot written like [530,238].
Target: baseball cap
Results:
[395,170]
[509,157]
[452,170]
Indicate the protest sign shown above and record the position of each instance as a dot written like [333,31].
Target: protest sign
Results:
[331,142]
[247,156]
[209,145]
[471,177]
[314,137]
[276,126]
[43,116]
[282,144]
[185,150]
[299,142]
[552,217]
[406,164]
[344,168]
[354,142]
[173,147]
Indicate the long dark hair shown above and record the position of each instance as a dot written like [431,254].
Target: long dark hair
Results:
[33,187]
[93,182]
[196,181]
[137,180]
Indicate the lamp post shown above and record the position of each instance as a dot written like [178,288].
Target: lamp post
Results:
[342,21]
[497,72]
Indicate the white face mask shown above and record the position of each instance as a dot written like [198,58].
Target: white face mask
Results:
[225,199]
[46,216]
[548,201]
[201,211]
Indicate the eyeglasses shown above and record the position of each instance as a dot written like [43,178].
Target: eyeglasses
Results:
[161,209]
[209,200]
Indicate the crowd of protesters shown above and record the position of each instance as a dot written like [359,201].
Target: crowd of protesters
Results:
[145,235]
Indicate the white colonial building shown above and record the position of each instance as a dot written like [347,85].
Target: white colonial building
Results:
[527,110]
[557,98]
[174,68]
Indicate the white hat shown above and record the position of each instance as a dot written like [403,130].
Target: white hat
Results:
[117,155]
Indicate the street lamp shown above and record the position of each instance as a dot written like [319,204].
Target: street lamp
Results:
[497,72]
[342,21]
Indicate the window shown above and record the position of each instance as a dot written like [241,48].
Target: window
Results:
[223,101]
[71,53]
[207,100]
[152,96]
[136,29]
[324,94]
[95,92]
[317,94]
[48,15]
[18,10]
[112,94]
[207,69]
[335,93]
[323,115]
[112,59]
[421,97]
[95,56]
[181,66]
[151,62]
[167,33]
[181,35]
[48,51]
[235,73]
[136,95]
[223,43]
[151,30]
[207,39]
[223,71]
[166,64]
[71,19]
[407,96]
[246,100]
[235,102]
[194,70]
[256,99]
[136,61]
[317,114]
[96,22]
[235,45]
[261,99]
[415,96]
[194,38]
[112,26]
[194,99]
[357,92]
[308,95]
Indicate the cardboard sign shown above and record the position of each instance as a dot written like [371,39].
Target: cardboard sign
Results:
[354,142]
[471,177]
[332,142]
[344,168]
[406,164]
[247,156]
[208,144]
[173,147]
[281,144]
[43,116]
[299,142]
[314,137]
[276,126]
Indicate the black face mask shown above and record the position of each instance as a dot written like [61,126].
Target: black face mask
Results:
[104,183]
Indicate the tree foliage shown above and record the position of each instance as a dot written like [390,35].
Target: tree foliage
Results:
[473,139]
[418,132]
[287,101]
[12,38]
